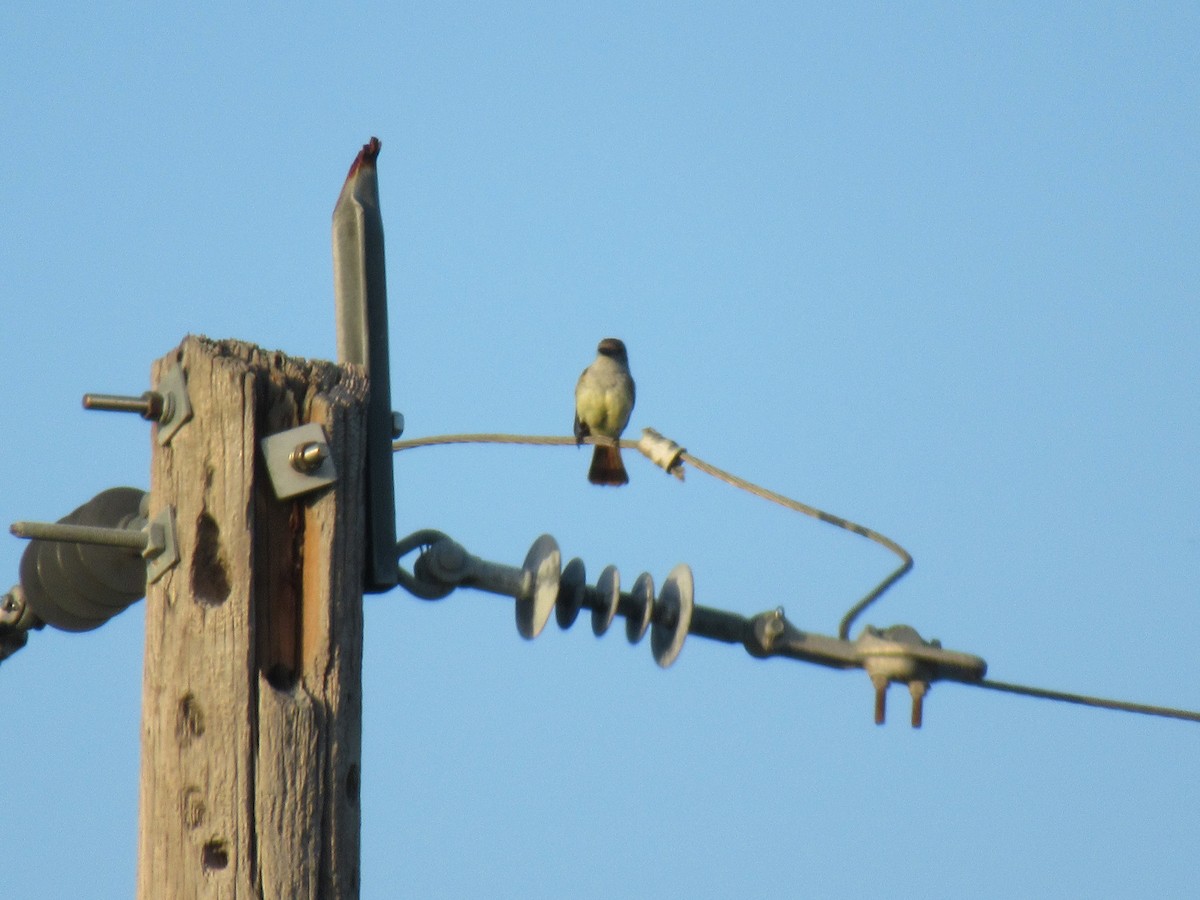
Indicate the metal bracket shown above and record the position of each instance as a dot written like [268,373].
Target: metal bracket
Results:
[360,306]
[177,408]
[162,545]
[299,460]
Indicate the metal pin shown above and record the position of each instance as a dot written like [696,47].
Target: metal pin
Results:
[168,406]
[81,534]
[151,406]
[917,689]
[881,686]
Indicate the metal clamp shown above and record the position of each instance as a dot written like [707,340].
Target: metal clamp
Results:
[896,654]
[16,620]
[662,451]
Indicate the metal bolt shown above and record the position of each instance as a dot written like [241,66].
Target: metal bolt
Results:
[397,424]
[308,456]
[881,686]
[151,406]
[81,534]
[918,690]
[451,556]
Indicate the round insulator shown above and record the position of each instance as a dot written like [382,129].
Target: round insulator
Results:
[103,580]
[608,595]
[570,593]
[543,565]
[673,615]
[44,587]
[121,570]
[78,587]
[641,607]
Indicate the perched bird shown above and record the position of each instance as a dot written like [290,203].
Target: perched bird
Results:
[603,401]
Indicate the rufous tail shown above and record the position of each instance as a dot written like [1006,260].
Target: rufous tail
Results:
[607,467]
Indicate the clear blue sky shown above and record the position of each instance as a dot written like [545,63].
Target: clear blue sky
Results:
[932,267]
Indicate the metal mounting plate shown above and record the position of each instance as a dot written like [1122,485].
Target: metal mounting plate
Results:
[173,388]
[162,551]
[286,479]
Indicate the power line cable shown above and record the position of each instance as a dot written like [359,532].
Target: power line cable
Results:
[1085,700]
[668,455]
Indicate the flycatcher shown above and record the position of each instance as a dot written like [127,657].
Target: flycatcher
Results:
[603,402]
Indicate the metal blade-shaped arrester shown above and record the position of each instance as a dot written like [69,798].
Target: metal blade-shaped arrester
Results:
[360,296]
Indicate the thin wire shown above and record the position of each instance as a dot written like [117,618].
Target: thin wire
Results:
[848,619]
[537,440]
[1085,700]
[729,478]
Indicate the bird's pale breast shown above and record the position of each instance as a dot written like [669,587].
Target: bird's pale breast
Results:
[603,398]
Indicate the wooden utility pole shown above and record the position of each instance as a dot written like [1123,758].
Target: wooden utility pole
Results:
[251,708]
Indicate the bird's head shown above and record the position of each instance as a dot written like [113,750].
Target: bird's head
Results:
[613,347]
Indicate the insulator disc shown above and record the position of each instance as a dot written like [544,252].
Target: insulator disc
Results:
[641,607]
[608,595]
[76,587]
[673,615]
[44,598]
[543,563]
[103,580]
[122,570]
[570,593]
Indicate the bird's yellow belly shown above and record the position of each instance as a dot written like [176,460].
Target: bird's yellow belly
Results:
[605,412]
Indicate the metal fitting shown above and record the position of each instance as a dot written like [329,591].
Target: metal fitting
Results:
[168,406]
[308,456]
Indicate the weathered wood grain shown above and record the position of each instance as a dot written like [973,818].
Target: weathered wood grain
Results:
[251,722]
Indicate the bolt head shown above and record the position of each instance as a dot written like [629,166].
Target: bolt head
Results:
[308,456]
[451,556]
[156,408]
